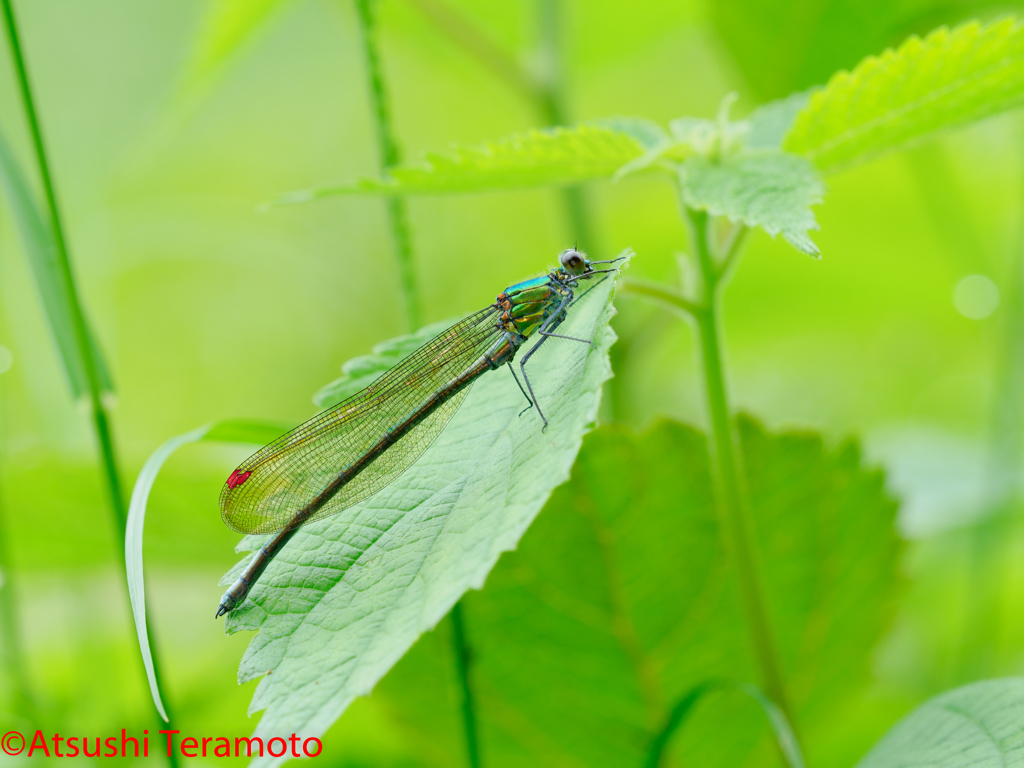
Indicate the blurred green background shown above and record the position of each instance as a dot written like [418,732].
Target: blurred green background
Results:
[164,142]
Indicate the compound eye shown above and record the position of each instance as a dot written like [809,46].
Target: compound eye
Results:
[573,261]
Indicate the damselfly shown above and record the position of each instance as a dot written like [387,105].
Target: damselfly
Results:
[351,451]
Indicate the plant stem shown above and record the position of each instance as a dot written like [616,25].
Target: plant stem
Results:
[552,106]
[544,90]
[101,424]
[389,155]
[462,662]
[730,491]
[663,295]
[733,248]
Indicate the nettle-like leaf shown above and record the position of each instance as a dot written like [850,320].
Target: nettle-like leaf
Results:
[771,190]
[351,593]
[753,183]
[979,725]
[620,600]
[550,157]
[902,96]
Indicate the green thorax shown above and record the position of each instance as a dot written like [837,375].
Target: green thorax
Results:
[528,304]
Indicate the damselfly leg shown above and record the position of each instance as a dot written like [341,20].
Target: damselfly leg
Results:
[552,322]
[528,400]
[545,333]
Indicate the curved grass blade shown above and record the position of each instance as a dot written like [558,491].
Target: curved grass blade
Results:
[781,729]
[231,431]
[677,716]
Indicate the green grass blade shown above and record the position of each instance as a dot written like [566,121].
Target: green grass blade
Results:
[781,729]
[232,431]
[41,252]
[677,716]
[948,79]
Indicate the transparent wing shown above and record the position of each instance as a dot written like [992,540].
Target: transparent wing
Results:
[288,473]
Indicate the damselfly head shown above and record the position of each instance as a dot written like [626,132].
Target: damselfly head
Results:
[574,262]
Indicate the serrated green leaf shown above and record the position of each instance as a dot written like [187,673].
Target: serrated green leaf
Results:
[979,725]
[54,290]
[350,594]
[763,130]
[620,600]
[771,190]
[890,101]
[229,430]
[550,157]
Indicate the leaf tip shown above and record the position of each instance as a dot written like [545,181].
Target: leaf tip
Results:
[803,243]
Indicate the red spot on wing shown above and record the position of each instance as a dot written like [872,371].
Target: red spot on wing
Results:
[237,478]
